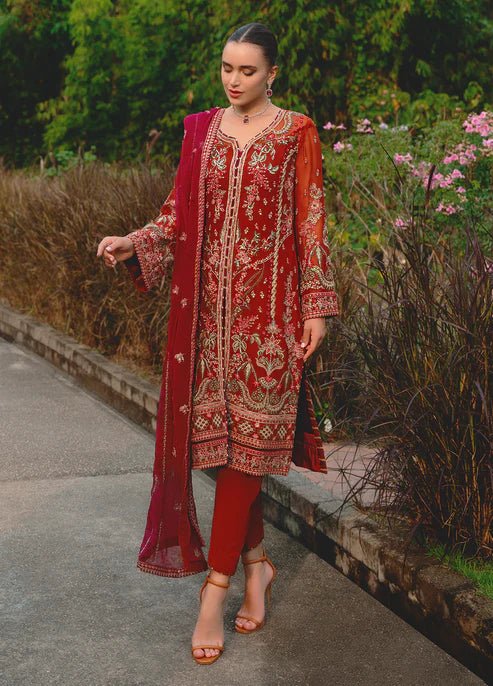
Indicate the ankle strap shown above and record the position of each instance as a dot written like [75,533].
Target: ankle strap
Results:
[251,562]
[216,583]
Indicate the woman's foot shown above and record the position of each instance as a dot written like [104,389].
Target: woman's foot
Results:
[209,628]
[257,578]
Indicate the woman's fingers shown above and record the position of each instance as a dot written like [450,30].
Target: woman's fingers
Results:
[313,335]
[115,249]
[107,240]
[312,346]
[105,247]
[110,261]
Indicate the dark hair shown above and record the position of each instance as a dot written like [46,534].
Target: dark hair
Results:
[260,35]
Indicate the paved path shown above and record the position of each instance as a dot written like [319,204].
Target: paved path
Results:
[75,610]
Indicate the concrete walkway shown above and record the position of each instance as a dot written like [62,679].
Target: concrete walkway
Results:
[74,608]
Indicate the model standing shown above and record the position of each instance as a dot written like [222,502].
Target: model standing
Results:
[252,284]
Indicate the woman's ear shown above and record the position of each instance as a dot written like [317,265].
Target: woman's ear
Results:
[273,72]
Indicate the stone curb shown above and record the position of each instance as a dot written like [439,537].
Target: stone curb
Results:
[437,601]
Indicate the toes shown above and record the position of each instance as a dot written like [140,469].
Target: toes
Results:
[245,624]
[205,652]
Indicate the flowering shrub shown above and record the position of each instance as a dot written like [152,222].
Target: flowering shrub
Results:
[409,362]
[378,175]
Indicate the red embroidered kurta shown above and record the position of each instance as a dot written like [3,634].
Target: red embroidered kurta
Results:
[265,268]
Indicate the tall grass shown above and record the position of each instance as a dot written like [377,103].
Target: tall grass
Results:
[49,231]
[417,355]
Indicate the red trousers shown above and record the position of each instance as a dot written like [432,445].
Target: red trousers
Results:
[237,522]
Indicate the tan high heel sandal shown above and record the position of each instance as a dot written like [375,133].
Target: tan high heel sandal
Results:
[204,660]
[268,591]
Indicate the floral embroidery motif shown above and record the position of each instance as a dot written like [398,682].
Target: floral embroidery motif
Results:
[180,357]
[216,193]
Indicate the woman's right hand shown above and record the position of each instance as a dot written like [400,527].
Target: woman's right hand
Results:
[115,249]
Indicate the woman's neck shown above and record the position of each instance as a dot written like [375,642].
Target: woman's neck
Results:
[253,108]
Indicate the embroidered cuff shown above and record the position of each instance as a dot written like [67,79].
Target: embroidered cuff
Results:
[319,304]
[153,255]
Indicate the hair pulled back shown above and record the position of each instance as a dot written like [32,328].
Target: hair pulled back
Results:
[260,35]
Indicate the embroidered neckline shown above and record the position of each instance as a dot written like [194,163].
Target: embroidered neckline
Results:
[277,118]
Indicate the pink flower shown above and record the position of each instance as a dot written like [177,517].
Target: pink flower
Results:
[364,126]
[479,123]
[422,171]
[402,159]
[446,209]
[399,223]
[339,146]
[462,153]
[435,181]
[329,125]
[457,174]
[446,182]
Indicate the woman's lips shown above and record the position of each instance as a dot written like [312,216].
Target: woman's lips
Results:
[234,94]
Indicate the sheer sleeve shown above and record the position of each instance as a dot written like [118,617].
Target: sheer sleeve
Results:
[154,246]
[318,296]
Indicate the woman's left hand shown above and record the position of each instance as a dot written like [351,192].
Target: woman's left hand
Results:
[313,334]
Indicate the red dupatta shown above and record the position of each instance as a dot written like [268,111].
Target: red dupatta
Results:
[172,542]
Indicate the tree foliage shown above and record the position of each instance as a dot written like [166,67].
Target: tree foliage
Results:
[104,73]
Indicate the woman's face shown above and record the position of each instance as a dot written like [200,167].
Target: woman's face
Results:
[244,69]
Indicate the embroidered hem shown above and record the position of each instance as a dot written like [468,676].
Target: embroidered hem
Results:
[166,571]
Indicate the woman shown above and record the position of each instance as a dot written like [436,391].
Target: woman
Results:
[252,283]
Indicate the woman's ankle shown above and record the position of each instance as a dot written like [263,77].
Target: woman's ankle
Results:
[219,577]
[253,553]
